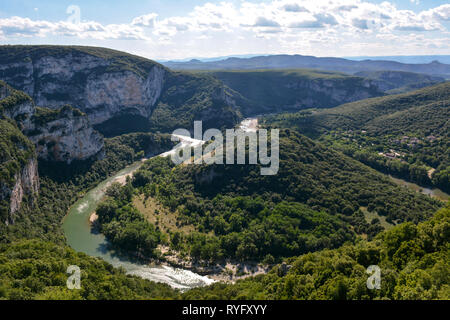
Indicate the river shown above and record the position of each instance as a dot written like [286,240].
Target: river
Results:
[82,238]
[434,193]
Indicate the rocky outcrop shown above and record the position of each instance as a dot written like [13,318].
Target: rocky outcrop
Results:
[4,90]
[64,135]
[102,83]
[111,94]
[334,92]
[398,81]
[27,183]
[273,91]
[18,170]
[16,105]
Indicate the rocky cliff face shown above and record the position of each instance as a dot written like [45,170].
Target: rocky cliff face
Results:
[18,170]
[272,91]
[334,92]
[102,85]
[16,105]
[64,135]
[398,81]
[27,183]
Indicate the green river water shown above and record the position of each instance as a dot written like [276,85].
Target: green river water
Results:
[81,237]
[435,193]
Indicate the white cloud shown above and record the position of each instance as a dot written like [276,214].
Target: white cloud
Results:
[147,20]
[294,7]
[320,27]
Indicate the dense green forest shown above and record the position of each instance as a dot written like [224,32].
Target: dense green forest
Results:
[405,135]
[319,199]
[365,114]
[190,97]
[414,262]
[35,269]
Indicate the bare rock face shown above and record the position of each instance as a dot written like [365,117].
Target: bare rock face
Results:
[336,92]
[18,170]
[101,85]
[64,135]
[111,94]
[27,182]
[16,105]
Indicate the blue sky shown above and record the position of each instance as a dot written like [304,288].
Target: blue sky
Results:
[171,29]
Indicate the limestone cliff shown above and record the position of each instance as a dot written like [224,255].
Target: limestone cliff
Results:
[27,183]
[18,170]
[16,105]
[271,91]
[102,83]
[64,135]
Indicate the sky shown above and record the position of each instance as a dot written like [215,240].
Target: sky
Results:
[179,29]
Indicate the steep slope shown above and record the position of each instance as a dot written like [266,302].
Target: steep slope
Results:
[16,105]
[100,82]
[279,90]
[18,170]
[312,174]
[399,81]
[64,134]
[310,62]
[404,135]
[111,86]
[367,113]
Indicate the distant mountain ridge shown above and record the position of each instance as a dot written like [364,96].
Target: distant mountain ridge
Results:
[406,59]
[434,68]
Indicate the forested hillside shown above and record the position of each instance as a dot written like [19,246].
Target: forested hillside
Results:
[16,152]
[363,115]
[414,262]
[37,270]
[405,135]
[394,82]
